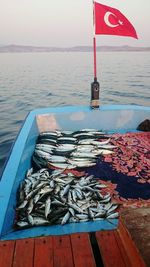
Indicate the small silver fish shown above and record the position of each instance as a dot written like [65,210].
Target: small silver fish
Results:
[66,189]
[30,206]
[73,206]
[22,224]
[82,216]
[113,216]
[22,205]
[47,206]
[65,218]
[61,165]
[40,221]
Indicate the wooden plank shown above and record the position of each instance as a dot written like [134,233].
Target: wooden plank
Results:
[110,252]
[62,251]
[43,252]
[137,222]
[24,252]
[122,250]
[129,246]
[82,250]
[6,253]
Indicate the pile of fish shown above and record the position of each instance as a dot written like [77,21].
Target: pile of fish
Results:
[69,150]
[47,198]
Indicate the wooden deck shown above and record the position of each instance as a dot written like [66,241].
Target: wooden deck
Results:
[104,248]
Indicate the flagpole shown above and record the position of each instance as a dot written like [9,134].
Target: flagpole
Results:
[95,84]
[94,51]
[94,43]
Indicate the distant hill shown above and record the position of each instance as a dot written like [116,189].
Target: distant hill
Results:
[33,49]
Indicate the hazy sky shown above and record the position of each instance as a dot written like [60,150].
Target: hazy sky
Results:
[67,22]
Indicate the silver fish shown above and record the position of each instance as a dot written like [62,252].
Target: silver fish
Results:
[64,138]
[113,216]
[83,155]
[22,224]
[30,219]
[73,206]
[30,206]
[40,221]
[65,218]
[103,152]
[99,143]
[42,154]
[22,205]
[82,216]
[57,159]
[62,165]
[47,206]
[66,189]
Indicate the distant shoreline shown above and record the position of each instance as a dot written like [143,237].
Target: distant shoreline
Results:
[40,49]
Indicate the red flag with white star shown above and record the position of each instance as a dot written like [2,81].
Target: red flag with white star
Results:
[111,21]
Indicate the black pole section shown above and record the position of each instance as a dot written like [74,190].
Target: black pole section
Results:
[95,88]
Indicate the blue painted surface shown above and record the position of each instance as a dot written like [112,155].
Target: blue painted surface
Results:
[13,172]
[87,108]
[23,148]
[25,163]
[62,230]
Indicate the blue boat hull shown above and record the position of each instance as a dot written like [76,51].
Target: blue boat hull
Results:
[107,118]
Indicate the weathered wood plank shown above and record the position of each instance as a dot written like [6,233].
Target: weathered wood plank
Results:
[82,250]
[129,246]
[110,252]
[122,250]
[43,252]
[62,251]
[6,253]
[24,253]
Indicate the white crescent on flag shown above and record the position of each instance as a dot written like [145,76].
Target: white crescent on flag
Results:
[107,21]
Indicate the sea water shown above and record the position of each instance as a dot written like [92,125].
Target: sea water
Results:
[38,80]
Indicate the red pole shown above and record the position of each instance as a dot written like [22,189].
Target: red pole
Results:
[94,43]
[94,50]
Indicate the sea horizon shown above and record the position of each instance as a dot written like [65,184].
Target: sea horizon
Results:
[11,48]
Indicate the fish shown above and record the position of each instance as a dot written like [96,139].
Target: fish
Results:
[67,139]
[57,159]
[83,155]
[22,224]
[82,164]
[85,148]
[22,205]
[99,143]
[113,216]
[83,144]
[82,216]
[47,206]
[61,165]
[39,221]
[103,152]
[46,141]
[64,133]
[51,194]
[42,154]
[65,218]
[65,190]
[30,206]
[49,133]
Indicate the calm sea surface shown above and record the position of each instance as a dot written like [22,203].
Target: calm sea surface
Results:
[37,80]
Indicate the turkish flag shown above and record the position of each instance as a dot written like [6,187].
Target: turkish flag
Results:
[111,21]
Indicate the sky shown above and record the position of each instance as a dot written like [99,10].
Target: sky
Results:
[66,23]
